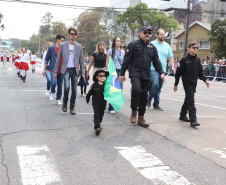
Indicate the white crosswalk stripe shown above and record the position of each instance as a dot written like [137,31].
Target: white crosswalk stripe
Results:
[151,167]
[37,165]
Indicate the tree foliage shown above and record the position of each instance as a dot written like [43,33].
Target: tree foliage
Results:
[24,44]
[218,38]
[47,18]
[139,16]
[45,30]
[15,43]
[90,31]
[2,26]
[59,27]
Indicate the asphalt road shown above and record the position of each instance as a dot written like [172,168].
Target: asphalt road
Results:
[39,144]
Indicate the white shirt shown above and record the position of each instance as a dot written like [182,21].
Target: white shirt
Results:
[33,58]
[25,58]
[43,60]
[20,57]
[71,60]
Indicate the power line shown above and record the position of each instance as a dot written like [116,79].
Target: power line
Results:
[96,8]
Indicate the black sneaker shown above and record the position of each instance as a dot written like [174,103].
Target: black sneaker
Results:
[158,108]
[97,131]
[194,124]
[184,118]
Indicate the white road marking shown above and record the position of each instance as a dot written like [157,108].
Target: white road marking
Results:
[24,90]
[84,113]
[222,108]
[206,116]
[151,167]
[37,165]
[220,153]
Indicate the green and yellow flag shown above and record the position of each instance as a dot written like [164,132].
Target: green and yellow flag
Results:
[112,89]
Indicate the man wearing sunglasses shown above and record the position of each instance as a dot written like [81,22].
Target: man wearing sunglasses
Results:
[190,68]
[138,58]
[72,58]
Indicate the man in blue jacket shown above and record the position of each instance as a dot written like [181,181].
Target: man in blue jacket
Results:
[50,62]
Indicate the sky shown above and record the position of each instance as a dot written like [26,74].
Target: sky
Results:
[22,20]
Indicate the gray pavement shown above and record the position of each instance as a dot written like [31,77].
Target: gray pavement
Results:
[172,151]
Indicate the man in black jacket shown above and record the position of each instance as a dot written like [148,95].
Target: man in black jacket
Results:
[138,57]
[190,68]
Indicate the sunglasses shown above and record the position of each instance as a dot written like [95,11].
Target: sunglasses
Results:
[195,47]
[147,32]
[101,76]
[73,34]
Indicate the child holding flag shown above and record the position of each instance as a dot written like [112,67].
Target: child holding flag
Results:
[98,101]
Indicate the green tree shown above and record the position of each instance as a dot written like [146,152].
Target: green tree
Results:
[59,28]
[24,44]
[15,43]
[34,43]
[45,30]
[2,26]
[90,31]
[47,18]
[109,20]
[139,16]
[218,38]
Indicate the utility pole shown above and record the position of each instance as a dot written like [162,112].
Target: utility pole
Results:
[186,28]
[186,24]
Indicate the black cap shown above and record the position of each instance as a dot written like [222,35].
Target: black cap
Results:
[145,28]
[99,71]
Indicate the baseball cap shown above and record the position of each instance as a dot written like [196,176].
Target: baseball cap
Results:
[145,28]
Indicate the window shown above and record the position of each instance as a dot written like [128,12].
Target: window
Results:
[181,45]
[204,45]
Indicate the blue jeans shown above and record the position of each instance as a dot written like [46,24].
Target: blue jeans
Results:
[60,78]
[48,77]
[118,73]
[156,88]
[53,82]
[70,74]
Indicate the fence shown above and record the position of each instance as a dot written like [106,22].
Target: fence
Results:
[214,72]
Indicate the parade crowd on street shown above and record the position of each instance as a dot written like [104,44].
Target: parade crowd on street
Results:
[147,63]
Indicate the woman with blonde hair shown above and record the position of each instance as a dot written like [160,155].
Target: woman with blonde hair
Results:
[98,58]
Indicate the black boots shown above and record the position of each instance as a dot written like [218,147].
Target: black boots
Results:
[184,118]
[194,124]
[33,70]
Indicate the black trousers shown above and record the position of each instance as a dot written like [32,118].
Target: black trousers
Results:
[98,115]
[189,104]
[82,89]
[140,88]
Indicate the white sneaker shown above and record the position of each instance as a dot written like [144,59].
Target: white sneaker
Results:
[112,112]
[47,93]
[58,102]
[51,97]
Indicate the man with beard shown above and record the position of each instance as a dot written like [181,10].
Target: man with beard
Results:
[72,58]
[139,55]
[164,52]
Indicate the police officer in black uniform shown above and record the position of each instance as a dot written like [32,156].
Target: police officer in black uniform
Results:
[138,57]
[190,68]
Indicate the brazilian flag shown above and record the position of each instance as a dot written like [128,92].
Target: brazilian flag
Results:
[112,89]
